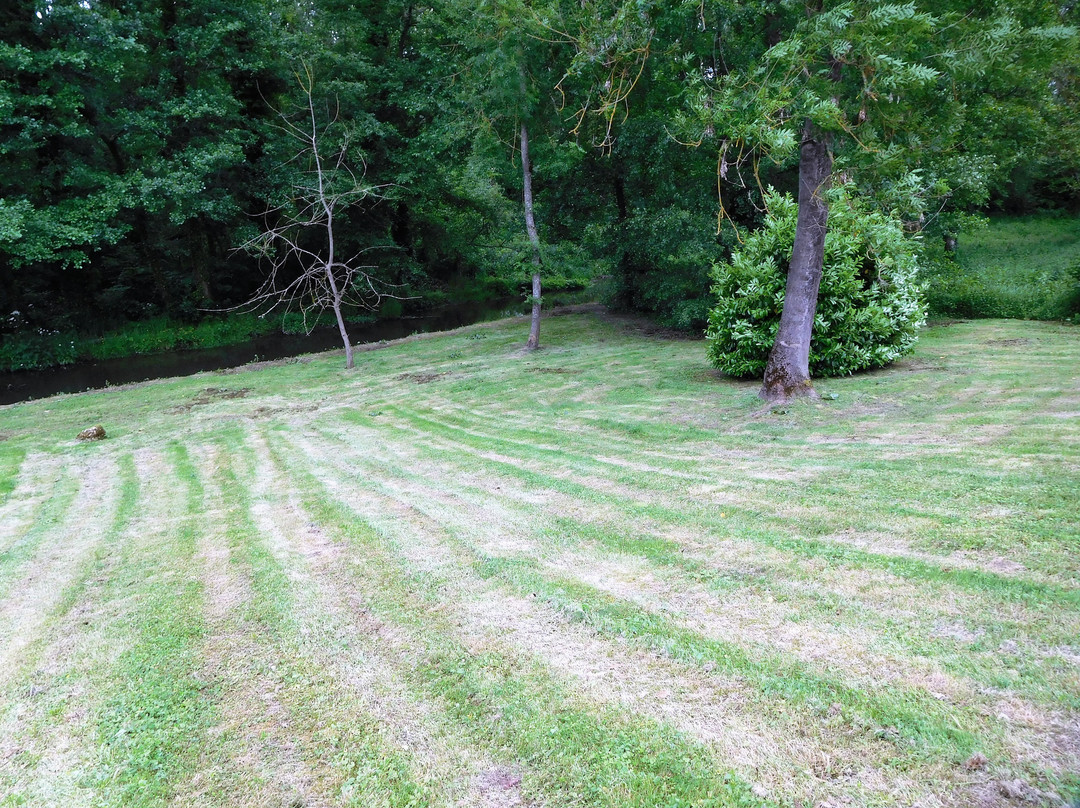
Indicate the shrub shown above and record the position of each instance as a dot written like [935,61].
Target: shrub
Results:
[1071,301]
[36,350]
[664,266]
[870,306]
[162,334]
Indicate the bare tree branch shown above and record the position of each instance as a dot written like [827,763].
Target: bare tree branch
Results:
[298,244]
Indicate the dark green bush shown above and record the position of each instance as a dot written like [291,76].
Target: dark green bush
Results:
[870,306]
[162,334]
[37,350]
[953,290]
[1071,299]
[663,270]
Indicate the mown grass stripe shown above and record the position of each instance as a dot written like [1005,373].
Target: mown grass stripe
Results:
[11,462]
[1006,589]
[154,721]
[576,755]
[357,757]
[127,499]
[74,592]
[967,481]
[53,711]
[921,720]
[923,724]
[1025,674]
[50,514]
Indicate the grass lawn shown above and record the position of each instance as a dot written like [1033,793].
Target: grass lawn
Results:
[597,575]
[1023,267]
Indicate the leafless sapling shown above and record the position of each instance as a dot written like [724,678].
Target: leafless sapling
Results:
[298,244]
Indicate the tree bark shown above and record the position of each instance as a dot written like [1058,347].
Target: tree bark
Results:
[787,374]
[336,294]
[534,239]
[342,330]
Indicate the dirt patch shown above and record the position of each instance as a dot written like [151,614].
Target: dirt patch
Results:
[269,412]
[208,396]
[1006,566]
[1008,342]
[497,787]
[955,631]
[422,378]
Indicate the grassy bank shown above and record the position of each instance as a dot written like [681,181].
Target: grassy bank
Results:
[597,575]
[46,349]
[1023,267]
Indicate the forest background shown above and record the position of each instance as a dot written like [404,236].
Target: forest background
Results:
[142,143]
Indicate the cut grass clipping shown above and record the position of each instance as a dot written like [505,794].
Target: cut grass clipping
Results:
[598,575]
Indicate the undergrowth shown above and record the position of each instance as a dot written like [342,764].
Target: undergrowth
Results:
[1022,268]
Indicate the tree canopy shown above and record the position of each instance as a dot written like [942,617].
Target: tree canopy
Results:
[139,146]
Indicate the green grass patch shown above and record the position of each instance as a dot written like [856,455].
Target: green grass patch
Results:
[1025,268]
[880,584]
[578,755]
[11,459]
[22,547]
[152,724]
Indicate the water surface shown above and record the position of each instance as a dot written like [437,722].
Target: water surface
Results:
[27,385]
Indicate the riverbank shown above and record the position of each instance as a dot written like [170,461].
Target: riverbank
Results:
[38,350]
[88,375]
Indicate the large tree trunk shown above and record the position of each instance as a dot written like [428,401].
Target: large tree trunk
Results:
[534,239]
[787,374]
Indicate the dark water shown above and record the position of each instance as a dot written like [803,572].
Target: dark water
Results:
[26,385]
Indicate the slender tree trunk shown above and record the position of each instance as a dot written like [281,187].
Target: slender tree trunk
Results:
[787,374]
[336,294]
[534,239]
[341,322]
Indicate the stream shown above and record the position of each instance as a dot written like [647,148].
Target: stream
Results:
[31,384]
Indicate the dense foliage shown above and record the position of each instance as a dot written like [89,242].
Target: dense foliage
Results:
[870,307]
[141,140]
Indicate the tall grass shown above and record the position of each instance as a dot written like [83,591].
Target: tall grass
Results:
[1024,268]
[44,349]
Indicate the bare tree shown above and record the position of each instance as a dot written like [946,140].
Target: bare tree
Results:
[298,241]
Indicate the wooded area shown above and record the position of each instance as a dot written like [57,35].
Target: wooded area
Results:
[144,142]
